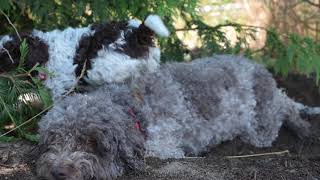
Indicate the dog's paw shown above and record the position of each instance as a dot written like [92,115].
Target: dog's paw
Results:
[300,127]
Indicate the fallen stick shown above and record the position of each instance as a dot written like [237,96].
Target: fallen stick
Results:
[258,155]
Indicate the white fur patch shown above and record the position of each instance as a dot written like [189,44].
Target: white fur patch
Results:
[62,49]
[155,23]
[4,39]
[134,23]
[110,66]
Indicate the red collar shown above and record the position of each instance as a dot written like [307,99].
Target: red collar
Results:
[137,124]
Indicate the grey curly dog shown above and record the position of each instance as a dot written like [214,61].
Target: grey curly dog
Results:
[181,109]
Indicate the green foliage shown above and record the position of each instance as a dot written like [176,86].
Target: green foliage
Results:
[23,53]
[21,97]
[50,14]
[292,54]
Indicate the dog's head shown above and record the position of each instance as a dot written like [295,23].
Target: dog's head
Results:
[86,142]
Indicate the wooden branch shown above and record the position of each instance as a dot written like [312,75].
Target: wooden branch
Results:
[258,155]
[304,22]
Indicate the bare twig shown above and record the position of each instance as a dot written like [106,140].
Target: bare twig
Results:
[304,22]
[26,122]
[33,68]
[83,70]
[8,19]
[8,53]
[258,155]
[223,25]
[27,74]
[312,3]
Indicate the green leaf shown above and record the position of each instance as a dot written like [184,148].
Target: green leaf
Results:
[24,49]
[291,52]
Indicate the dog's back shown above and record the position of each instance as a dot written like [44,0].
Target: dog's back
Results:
[207,101]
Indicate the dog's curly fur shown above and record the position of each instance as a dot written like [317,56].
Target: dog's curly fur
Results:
[184,108]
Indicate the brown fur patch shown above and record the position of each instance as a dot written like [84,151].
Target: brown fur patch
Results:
[138,41]
[105,34]
[38,53]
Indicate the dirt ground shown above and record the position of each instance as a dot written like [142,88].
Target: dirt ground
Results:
[302,161]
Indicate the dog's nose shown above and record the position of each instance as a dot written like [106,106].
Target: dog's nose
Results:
[59,173]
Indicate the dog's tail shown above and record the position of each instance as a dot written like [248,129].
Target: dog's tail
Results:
[152,22]
[307,111]
[304,110]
